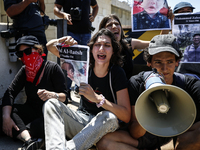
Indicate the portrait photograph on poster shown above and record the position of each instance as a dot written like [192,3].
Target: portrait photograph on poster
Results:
[75,61]
[186,27]
[150,15]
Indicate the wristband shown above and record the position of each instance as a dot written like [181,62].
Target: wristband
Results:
[101,102]
[57,96]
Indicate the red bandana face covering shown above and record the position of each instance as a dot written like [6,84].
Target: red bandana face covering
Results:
[33,62]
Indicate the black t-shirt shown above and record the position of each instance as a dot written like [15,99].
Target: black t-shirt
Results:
[101,86]
[191,86]
[52,80]
[127,54]
[83,25]
[29,19]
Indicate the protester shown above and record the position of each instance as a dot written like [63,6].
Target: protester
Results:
[79,20]
[190,68]
[163,55]
[113,23]
[183,7]
[42,80]
[27,19]
[151,17]
[98,113]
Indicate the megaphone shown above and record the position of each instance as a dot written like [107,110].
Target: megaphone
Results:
[164,110]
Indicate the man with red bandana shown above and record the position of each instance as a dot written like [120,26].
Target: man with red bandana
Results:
[42,80]
[151,16]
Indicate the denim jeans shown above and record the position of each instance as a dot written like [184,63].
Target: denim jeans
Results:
[84,129]
[82,39]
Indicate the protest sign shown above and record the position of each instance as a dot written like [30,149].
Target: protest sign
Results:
[75,60]
[148,15]
[186,27]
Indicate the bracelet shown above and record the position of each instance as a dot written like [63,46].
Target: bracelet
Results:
[101,102]
[57,96]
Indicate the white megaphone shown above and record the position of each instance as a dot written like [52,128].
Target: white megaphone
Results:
[164,110]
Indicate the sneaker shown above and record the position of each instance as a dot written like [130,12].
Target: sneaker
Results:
[33,144]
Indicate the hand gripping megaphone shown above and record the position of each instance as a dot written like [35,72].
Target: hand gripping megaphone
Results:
[164,110]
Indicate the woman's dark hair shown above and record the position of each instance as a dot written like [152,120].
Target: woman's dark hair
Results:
[106,19]
[123,42]
[116,57]
[147,57]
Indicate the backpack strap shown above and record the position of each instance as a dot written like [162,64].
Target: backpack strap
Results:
[110,82]
[39,73]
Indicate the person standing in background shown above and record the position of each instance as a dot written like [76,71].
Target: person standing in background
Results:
[78,16]
[79,20]
[27,19]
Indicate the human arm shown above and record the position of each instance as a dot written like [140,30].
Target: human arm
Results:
[135,88]
[56,87]
[51,45]
[8,123]
[8,100]
[45,95]
[135,129]
[42,5]
[121,110]
[95,10]
[16,9]
[139,44]
[63,15]
[171,17]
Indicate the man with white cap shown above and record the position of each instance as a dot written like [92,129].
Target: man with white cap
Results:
[164,55]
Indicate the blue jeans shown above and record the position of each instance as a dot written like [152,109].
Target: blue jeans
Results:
[82,39]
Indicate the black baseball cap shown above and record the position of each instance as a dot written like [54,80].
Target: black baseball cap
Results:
[27,40]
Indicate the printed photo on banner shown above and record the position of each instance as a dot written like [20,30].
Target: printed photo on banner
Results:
[150,15]
[75,61]
[186,27]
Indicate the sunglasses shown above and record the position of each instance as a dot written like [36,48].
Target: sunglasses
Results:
[27,51]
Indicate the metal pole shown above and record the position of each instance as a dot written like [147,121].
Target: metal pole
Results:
[61,30]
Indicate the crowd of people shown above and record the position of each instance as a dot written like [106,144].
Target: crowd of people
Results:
[106,116]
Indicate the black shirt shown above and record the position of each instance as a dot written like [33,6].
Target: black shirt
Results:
[29,19]
[191,86]
[52,80]
[83,25]
[101,86]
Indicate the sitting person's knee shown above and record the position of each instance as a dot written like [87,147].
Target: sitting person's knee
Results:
[49,104]
[109,116]
[103,144]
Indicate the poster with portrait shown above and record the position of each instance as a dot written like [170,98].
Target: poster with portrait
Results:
[186,27]
[150,15]
[75,61]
